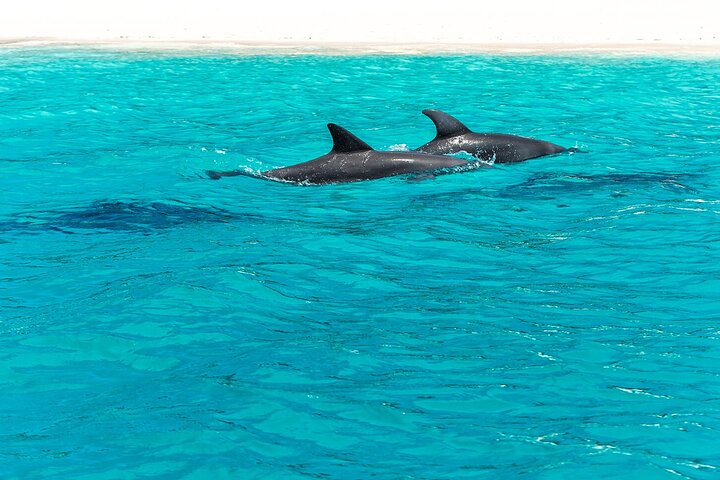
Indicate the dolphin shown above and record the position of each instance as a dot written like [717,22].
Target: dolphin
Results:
[453,137]
[352,160]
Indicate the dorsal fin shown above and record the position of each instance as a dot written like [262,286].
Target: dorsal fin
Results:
[344,141]
[446,125]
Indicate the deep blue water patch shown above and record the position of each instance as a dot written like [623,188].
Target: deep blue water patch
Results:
[558,318]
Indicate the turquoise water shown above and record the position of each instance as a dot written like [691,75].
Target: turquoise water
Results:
[554,319]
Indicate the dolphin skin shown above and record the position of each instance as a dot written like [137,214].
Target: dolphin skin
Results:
[352,160]
[453,137]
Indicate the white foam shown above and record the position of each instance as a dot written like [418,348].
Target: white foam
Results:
[399,147]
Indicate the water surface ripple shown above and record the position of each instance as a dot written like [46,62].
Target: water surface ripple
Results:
[554,319]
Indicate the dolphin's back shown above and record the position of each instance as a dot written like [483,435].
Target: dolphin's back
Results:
[454,137]
[357,166]
[495,147]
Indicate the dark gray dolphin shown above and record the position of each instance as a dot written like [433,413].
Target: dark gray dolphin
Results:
[453,137]
[352,160]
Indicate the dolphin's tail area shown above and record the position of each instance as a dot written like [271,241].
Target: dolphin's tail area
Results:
[215,175]
[574,150]
[247,172]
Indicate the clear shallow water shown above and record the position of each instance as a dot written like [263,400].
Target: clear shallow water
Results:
[554,319]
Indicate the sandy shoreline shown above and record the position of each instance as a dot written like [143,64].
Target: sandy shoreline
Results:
[638,27]
[361,48]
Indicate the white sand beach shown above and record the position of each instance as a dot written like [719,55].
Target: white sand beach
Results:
[638,26]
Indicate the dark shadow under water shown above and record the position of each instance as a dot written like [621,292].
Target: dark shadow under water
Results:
[109,216]
[551,184]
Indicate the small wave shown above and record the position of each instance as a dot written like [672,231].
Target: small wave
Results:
[463,155]
[470,166]
[574,150]
[399,147]
[244,171]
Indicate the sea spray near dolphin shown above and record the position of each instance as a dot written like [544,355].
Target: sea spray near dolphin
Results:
[454,137]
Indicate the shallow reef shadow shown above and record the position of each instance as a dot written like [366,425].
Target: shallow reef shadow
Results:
[128,216]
